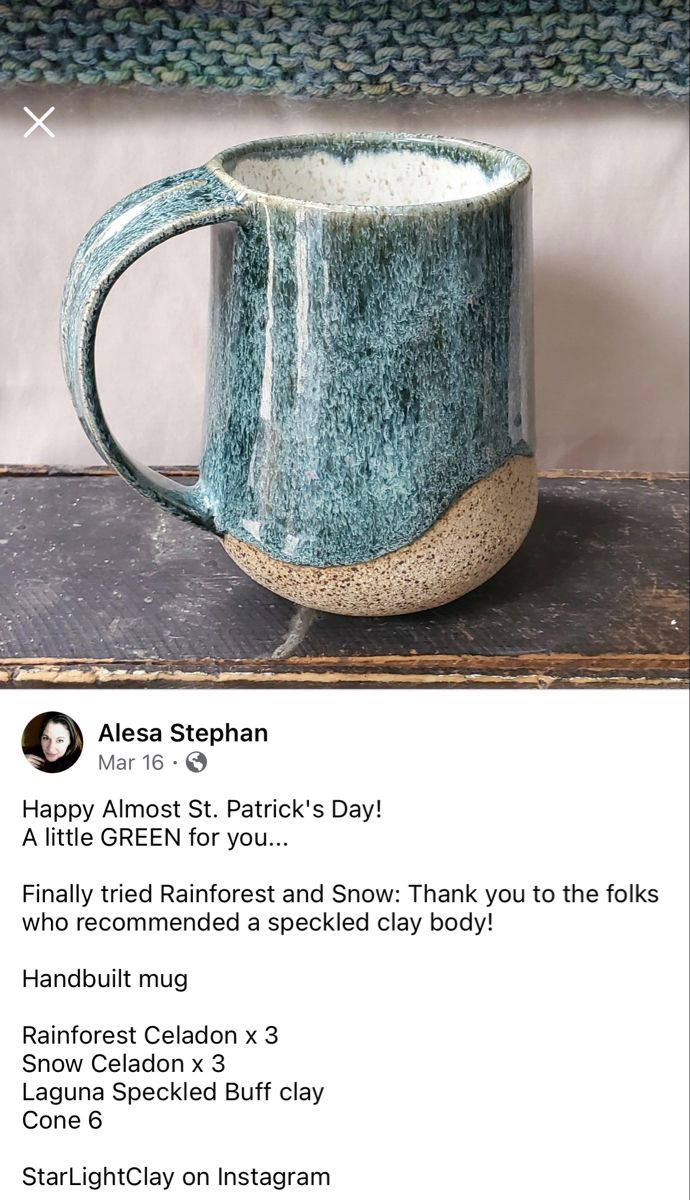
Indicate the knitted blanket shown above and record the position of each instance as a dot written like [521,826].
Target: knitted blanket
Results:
[351,49]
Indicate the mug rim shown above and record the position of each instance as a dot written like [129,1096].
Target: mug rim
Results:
[520,168]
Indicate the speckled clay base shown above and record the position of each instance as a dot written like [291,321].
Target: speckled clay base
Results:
[473,539]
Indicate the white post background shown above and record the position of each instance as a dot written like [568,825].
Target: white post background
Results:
[544,1059]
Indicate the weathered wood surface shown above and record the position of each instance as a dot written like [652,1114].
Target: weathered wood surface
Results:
[98,586]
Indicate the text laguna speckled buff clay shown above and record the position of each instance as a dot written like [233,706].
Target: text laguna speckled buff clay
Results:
[369,442]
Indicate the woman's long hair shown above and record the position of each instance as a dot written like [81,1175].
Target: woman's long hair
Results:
[76,744]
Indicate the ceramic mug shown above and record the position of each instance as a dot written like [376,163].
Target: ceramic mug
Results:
[368,445]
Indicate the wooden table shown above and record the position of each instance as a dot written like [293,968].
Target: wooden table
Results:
[98,586]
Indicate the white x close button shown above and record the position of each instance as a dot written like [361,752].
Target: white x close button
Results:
[39,122]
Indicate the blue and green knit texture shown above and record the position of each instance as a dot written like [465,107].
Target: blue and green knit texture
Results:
[353,49]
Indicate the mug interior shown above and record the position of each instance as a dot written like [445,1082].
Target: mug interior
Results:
[361,170]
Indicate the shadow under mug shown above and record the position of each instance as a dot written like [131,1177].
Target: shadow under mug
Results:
[368,444]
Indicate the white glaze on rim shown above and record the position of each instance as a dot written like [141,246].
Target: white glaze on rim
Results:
[511,171]
[387,177]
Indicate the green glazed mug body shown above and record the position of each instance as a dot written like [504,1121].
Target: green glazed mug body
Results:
[368,444]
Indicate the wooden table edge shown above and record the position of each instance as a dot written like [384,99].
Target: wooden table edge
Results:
[442,670]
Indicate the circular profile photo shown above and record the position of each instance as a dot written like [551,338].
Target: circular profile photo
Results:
[52,742]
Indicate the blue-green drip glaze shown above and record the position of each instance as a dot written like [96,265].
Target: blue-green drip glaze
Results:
[366,367]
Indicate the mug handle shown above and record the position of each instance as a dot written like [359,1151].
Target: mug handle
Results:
[131,227]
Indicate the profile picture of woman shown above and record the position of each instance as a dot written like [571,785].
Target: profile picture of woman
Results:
[52,742]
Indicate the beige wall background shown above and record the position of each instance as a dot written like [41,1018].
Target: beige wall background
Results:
[611,263]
